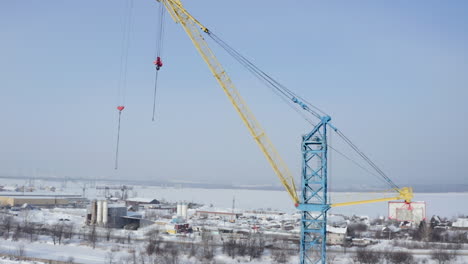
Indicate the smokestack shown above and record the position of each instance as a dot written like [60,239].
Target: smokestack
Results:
[99,213]
[104,212]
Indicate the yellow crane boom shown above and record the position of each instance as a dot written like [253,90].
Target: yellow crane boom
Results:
[192,28]
[405,193]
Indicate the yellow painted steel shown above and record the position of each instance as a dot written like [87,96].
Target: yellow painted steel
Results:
[192,28]
[405,193]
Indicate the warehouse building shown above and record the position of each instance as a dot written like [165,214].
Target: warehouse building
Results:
[47,201]
[141,201]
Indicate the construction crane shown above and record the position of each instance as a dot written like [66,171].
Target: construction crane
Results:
[313,201]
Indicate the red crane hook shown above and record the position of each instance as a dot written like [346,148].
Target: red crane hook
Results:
[158,63]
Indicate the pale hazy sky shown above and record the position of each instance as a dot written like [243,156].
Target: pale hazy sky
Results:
[392,74]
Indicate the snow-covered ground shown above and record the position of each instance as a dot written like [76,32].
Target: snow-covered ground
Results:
[443,204]
[8,260]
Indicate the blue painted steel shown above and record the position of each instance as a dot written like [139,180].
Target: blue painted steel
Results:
[314,204]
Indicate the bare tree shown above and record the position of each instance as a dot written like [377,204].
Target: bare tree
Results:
[356,229]
[241,248]
[424,232]
[21,250]
[230,247]
[129,237]
[172,253]
[367,256]
[154,242]
[331,257]
[92,236]
[400,257]
[255,246]
[279,256]
[57,232]
[194,248]
[142,257]
[68,231]
[443,256]
[133,255]
[108,232]
[17,232]
[207,246]
[30,230]
[110,258]
[70,260]
[7,223]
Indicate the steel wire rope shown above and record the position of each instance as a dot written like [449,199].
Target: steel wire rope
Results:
[369,161]
[272,83]
[122,85]
[125,46]
[117,147]
[158,52]
[282,90]
[267,82]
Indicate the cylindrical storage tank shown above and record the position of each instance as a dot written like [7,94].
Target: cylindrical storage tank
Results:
[179,209]
[93,212]
[104,212]
[184,210]
[99,213]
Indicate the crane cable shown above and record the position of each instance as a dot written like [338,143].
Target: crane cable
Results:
[289,96]
[158,53]
[122,85]
[261,75]
[367,159]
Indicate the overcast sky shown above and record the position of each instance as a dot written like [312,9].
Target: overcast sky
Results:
[392,74]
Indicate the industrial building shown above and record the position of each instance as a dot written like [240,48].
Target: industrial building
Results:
[102,213]
[39,200]
[141,201]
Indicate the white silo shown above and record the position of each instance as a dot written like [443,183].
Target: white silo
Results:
[184,210]
[179,209]
[104,213]
[99,213]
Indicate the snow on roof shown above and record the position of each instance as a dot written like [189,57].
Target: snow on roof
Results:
[141,200]
[9,188]
[461,222]
[393,228]
[116,205]
[336,230]
[38,194]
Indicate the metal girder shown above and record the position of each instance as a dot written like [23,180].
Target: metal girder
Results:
[314,204]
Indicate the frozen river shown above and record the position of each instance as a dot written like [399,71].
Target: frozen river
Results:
[443,204]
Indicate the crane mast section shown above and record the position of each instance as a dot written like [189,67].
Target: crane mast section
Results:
[191,27]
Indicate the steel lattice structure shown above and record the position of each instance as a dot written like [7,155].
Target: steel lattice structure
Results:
[314,203]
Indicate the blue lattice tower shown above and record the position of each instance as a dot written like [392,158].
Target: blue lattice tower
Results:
[314,204]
